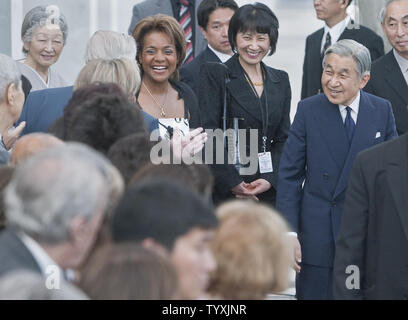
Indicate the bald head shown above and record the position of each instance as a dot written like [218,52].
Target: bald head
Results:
[31,144]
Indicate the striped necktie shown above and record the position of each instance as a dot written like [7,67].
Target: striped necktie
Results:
[185,21]
[327,43]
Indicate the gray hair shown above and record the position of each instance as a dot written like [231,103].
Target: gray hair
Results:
[53,187]
[350,48]
[109,45]
[384,10]
[9,73]
[41,16]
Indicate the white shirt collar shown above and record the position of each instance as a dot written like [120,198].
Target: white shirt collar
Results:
[336,30]
[222,56]
[402,62]
[41,257]
[355,106]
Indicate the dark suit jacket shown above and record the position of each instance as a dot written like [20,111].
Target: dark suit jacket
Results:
[152,7]
[43,107]
[14,254]
[242,103]
[312,65]
[388,82]
[317,152]
[374,229]
[190,73]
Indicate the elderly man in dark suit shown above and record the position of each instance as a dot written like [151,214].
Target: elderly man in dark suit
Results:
[55,204]
[213,18]
[327,133]
[389,75]
[183,11]
[338,26]
[371,257]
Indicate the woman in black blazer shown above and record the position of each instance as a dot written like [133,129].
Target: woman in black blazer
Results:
[252,96]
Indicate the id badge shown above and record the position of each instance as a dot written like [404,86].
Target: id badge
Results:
[265,162]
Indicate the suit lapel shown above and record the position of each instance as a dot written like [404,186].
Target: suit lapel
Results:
[241,91]
[363,138]
[395,78]
[331,127]
[397,173]
[165,7]
[210,56]
[316,56]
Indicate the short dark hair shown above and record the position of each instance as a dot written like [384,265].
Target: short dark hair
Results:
[131,153]
[209,6]
[197,177]
[255,17]
[162,210]
[102,120]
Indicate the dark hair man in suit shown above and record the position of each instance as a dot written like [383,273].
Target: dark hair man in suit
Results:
[213,18]
[338,26]
[183,11]
[169,218]
[389,75]
[327,133]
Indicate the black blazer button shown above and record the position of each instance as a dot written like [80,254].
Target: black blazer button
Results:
[334,203]
[325,176]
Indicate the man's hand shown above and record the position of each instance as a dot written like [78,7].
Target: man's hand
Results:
[297,252]
[259,186]
[241,191]
[10,135]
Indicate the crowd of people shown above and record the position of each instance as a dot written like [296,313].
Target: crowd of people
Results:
[170,169]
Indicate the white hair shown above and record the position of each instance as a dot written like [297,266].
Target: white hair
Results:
[350,48]
[53,187]
[9,73]
[384,10]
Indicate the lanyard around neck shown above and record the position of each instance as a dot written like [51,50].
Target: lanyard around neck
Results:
[264,113]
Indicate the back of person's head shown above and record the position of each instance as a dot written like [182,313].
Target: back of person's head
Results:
[160,210]
[31,144]
[6,172]
[124,72]
[129,272]
[197,177]
[79,96]
[131,153]
[251,250]
[27,285]
[9,74]
[102,120]
[106,44]
[207,7]
[54,188]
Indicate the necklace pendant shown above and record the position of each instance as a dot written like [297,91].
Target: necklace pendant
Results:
[163,114]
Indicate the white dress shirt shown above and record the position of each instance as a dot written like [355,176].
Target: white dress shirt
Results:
[222,56]
[403,64]
[355,105]
[335,31]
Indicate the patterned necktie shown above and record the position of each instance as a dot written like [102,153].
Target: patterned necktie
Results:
[349,125]
[327,43]
[185,21]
